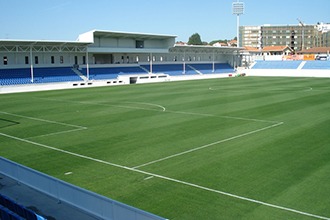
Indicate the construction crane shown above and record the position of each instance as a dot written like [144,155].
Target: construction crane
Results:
[302,34]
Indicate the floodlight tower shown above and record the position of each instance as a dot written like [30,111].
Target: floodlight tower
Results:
[238,9]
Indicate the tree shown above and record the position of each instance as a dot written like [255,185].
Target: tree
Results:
[195,39]
[216,41]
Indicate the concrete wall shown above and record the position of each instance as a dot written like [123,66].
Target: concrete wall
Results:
[88,201]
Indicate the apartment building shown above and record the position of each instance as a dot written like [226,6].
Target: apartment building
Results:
[297,37]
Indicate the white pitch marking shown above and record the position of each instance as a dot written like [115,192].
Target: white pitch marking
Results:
[68,173]
[209,145]
[56,133]
[277,89]
[170,179]
[151,104]
[223,116]
[44,120]
[168,111]
[78,128]
[149,177]
[110,105]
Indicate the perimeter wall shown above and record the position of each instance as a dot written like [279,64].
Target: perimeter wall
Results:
[90,202]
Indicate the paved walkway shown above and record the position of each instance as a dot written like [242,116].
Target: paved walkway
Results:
[42,204]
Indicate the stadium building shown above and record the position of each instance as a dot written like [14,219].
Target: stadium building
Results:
[102,57]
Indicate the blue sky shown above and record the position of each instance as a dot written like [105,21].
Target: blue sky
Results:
[212,19]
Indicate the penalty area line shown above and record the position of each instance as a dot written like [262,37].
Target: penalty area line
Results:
[170,179]
[76,127]
[209,145]
[44,120]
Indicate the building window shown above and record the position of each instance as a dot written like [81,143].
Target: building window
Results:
[84,60]
[61,59]
[52,59]
[5,60]
[26,60]
[36,60]
[139,44]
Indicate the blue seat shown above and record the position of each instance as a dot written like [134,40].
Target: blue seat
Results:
[40,75]
[289,64]
[14,211]
[111,72]
[6,214]
[317,64]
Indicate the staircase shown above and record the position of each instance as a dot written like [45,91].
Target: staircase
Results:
[79,74]
[196,70]
[301,65]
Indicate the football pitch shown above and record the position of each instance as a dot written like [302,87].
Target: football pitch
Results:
[234,148]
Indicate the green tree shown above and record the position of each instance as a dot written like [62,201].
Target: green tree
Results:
[195,39]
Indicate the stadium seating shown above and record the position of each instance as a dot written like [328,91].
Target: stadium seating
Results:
[66,74]
[191,68]
[56,74]
[292,64]
[207,68]
[111,72]
[171,69]
[10,210]
[317,64]
[15,76]
[40,75]
[6,214]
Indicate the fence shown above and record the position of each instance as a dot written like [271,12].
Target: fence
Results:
[88,201]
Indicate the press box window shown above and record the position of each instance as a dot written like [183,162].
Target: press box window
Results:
[36,60]
[26,60]
[52,59]
[139,44]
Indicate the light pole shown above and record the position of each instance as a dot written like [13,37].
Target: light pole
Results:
[302,34]
[238,9]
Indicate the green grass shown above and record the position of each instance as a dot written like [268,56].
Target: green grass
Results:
[264,139]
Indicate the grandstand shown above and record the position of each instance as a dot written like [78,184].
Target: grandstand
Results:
[100,58]
[291,68]
[291,65]
[100,55]
[277,64]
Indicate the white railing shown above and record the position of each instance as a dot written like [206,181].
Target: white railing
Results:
[88,201]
